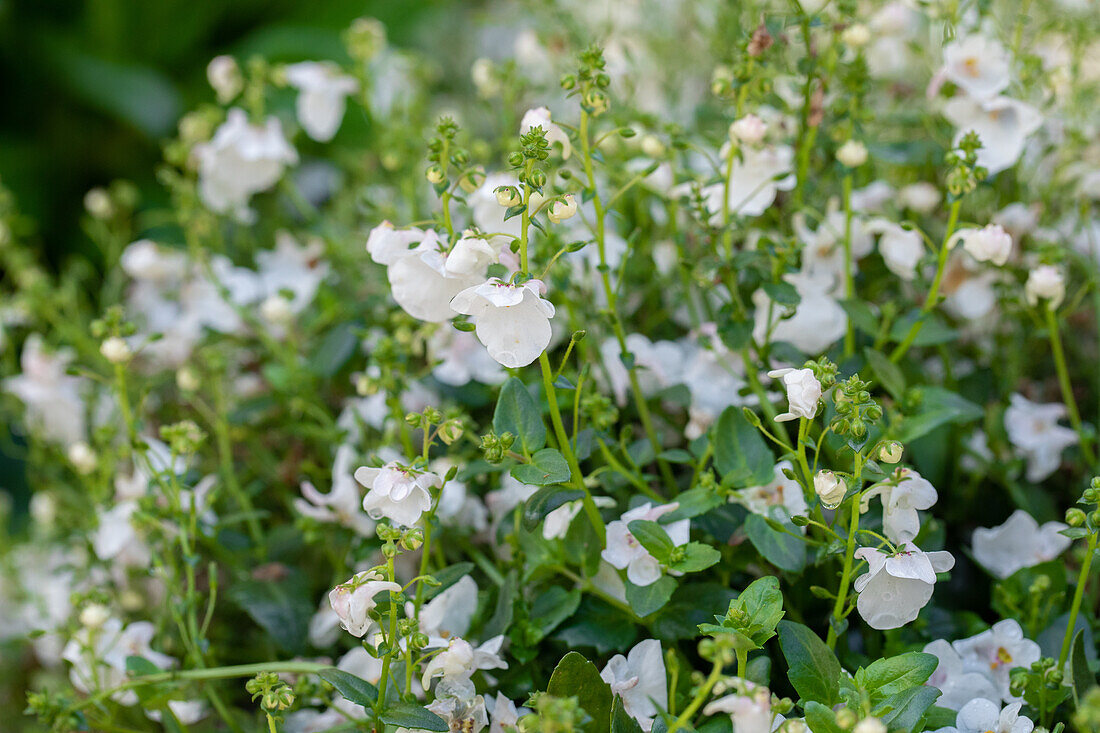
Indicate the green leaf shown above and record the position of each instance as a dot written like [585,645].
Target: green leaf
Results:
[821,719]
[544,501]
[547,467]
[552,607]
[762,601]
[517,413]
[576,676]
[140,666]
[937,406]
[785,551]
[861,316]
[621,722]
[783,293]
[599,625]
[886,372]
[886,677]
[653,538]
[740,454]
[447,577]
[692,503]
[697,556]
[281,608]
[648,599]
[336,348]
[357,690]
[407,715]
[903,712]
[1083,678]
[813,669]
[503,612]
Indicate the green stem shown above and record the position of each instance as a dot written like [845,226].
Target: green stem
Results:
[1078,595]
[566,448]
[700,697]
[933,292]
[1067,387]
[849,556]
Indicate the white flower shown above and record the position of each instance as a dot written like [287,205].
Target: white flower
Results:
[540,117]
[1045,282]
[857,35]
[639,679]
[117,539]
[901,497]
[421,283]
[968,288]
[292,269]
[958,684]
[225,78]
[978,65]
[1018,543]
[353,600]
[823,249]
[896,587]
[755,179]
[240,160]
[985,716]
[449,613]
[460,660]
[803,393]
[1034,430]
[397,493]
[830,488]
[750,713]
[1002,124]
[658,364]
[921,197]
[782,491]
[852,154]
[562,209]
[625,551]
[901,248]
[98,656]
[342,504]
[52,397]
[504,715]
[387,245]
[991,243]
[513,321]
[471,255]
[818,319]
[323,89]
[462,359]
[556,524]
[997,651]
[749,129]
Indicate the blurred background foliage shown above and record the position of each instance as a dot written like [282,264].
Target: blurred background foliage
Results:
[93,86]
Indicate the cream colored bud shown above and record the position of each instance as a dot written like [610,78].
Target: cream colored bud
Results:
[829,488]
[82,457]
[856,35]
[115,350]
[94,615]
[852,154]
[276,309]
[187,380]
[563,209]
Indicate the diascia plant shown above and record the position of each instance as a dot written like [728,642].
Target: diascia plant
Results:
[613,367]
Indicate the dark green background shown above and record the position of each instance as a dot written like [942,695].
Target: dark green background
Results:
[91,88]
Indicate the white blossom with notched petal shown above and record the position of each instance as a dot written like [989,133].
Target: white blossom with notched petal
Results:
[397,493]
[901,496]
[991,243]
[817,322]
[513,321]
[1002,124]
[997,651]
[241,159]
[1018,543]
[639,679]
[958,684]
[896,587]
[625,551]
[322,96]
[803,393]
[421,283]
[978,65]
[55,408]
[387,244]
[353,600]
[755,179]
[985,716]
[901,248]
[1034,430]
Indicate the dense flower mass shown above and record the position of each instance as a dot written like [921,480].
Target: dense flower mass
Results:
[735,373]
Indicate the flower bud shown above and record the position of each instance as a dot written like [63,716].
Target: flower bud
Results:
[829,488]
[435,175]
[276,310]
[652,146]
[97,202]
[856,35]
[82,457]
[1075,517]
[537,178]
[225,78]
[869,725]
[94,615]
[450,431]
[508,196]
[845,718]
[750,130]
[1045,282]
[852,154]
[115,350]
[563,209]
[187,380]
[891,452]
